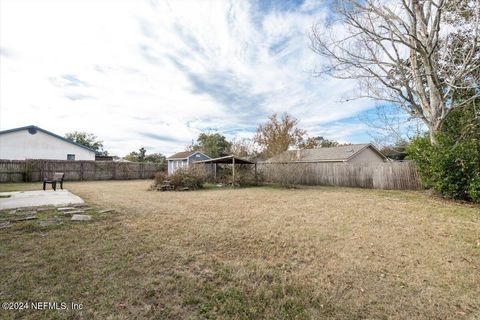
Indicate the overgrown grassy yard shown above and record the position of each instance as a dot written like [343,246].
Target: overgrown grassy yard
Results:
[309,253]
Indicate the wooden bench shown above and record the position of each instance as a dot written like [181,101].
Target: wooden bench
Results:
[57,177]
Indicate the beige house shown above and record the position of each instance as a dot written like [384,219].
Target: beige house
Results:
[352,154]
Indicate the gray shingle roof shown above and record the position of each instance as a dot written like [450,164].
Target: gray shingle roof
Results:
[341,153]
[181,155]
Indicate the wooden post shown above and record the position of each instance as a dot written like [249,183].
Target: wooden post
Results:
[256,179]
[81,171]
[215,172]
[233,172]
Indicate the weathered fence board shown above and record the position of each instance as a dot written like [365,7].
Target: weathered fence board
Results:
[389,175]
[37,170]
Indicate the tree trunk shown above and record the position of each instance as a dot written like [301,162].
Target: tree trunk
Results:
[432,132]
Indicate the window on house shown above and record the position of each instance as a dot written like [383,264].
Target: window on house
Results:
[70,156]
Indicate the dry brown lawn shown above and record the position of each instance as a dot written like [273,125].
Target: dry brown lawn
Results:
[309,253]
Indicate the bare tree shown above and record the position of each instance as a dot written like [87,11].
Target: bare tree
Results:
[421,55]
[242,147]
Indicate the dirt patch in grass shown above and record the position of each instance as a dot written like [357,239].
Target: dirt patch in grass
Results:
[250,254]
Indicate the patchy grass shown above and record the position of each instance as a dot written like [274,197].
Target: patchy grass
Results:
[250,253]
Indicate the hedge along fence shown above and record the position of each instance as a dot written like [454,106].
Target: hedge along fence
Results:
[389,175]
[37,170]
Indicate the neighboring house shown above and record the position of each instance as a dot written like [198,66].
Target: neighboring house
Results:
[353,154]
[32,142]
[184,159]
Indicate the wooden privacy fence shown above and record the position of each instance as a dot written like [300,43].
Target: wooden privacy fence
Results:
[389,175]
[37,170]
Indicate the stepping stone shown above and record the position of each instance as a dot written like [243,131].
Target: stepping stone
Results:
[5,225]
[28,213]
[70,213]
[45,209]
[66,209]
[81,217]
[80,205]
[105,211]
[51,222]
[25,218]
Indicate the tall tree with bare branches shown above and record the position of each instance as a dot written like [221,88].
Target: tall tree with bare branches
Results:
[421,55]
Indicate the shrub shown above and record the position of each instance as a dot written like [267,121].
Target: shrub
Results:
[159,177]
[452,166]
[192,178]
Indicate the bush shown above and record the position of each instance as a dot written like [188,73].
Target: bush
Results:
[159,177]
[452,166]
[192,178]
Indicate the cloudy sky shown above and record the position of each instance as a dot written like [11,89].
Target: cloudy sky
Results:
[157,73]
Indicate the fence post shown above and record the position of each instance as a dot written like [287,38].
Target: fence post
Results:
[81,171]
[26,172]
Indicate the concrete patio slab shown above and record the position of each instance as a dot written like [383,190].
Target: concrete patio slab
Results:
[23,199]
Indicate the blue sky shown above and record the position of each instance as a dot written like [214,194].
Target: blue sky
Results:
[157,73]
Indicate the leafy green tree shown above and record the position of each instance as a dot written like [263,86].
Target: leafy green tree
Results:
[142,156]
[135,156]
[155,157]
[88,140]
[213,145]
[317,142]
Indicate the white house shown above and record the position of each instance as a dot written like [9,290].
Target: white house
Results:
[184,159]
[32,142]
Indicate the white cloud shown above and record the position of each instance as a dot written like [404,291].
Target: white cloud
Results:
[157,73]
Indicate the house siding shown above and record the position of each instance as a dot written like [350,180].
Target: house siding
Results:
[175,164]
[197,157]
[366,156]
[21,145]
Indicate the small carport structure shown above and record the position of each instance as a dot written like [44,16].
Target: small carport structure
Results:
[231,159]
